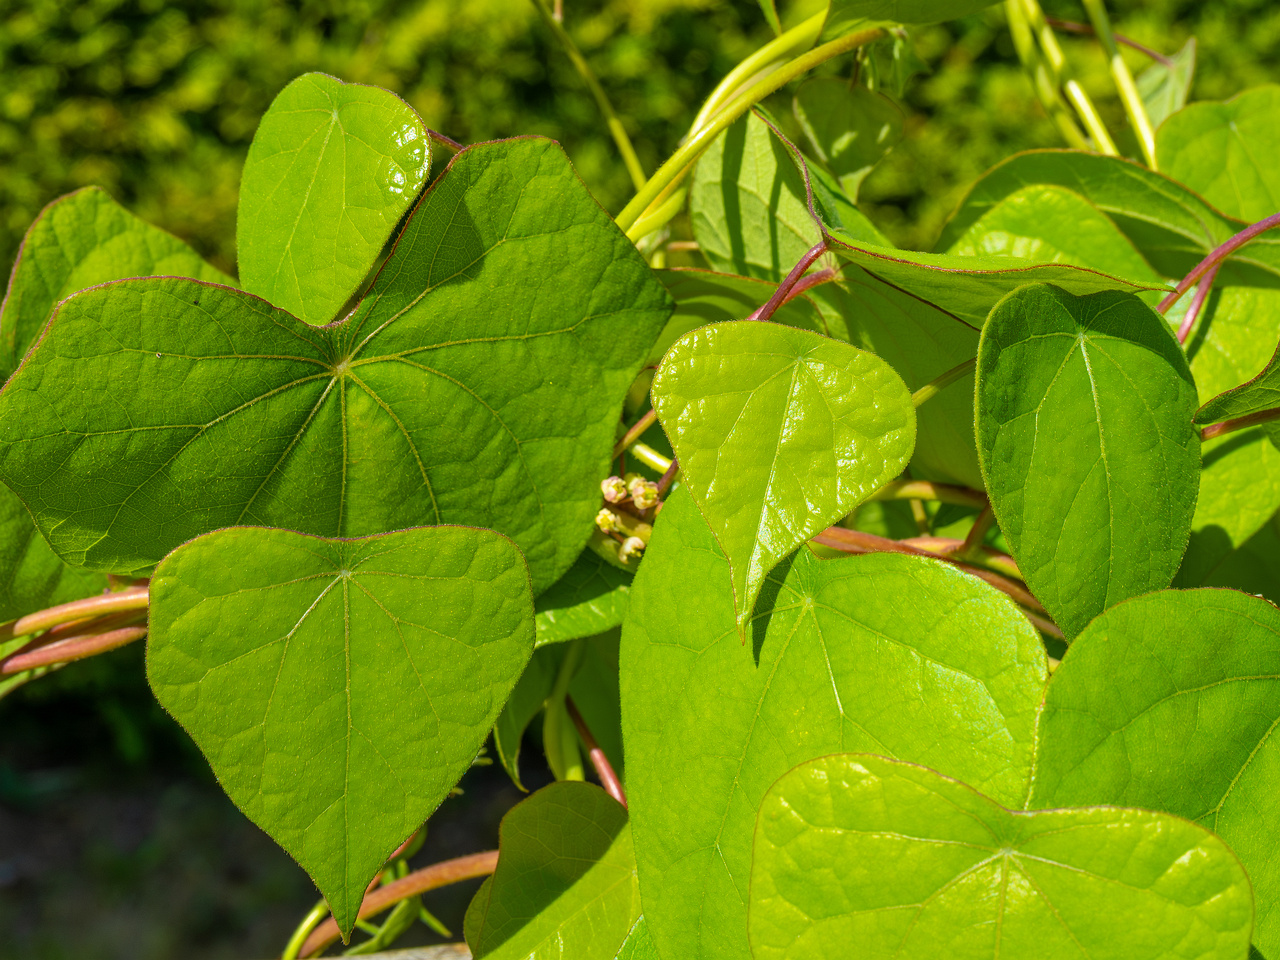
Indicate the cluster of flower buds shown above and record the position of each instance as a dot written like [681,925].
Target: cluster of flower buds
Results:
[614,489]
[644,493]
[631,547]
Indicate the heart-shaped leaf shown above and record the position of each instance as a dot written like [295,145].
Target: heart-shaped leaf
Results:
[850,128]
[903,655]
[911,865]
[480,381]
[779,433]
[1084,410]
[565,885]
[1226,152]
[1164,87]
[339,688]
[78,241]
[331,170]
[1171,701]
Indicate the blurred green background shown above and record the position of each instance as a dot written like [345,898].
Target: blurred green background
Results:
[115,842]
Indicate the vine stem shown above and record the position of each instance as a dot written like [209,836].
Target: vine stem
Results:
[938,384]
[1240,423]
[1217,258]
[1129,95]
[134,598]
[678,164]
[76,647]
[604,770]
[927,490]
[783,293]
[973,543]
[1070,26]
[420,881]
[616,129]
[303,930]
[667,479]
[1197,305]
[447,142]
[635,433]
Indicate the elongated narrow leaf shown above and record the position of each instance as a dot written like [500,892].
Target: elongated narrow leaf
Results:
[78,241]
[779,433]
[566,880]
[479,382]
[1227,152]
[339,688]
[1171,701]
[1084,429]
[850,128]
[331,170]
[1164,87]
[909,865]
[703,297]
[906,656]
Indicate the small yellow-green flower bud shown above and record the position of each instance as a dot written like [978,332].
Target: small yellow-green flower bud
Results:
[644,495]
[614,489]
[631,547]
[606,521]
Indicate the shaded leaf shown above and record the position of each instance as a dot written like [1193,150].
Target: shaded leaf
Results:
[331,170]
[1226,152]
[590,599]
[1164,88]
[1170,701]
[339,688]
[522,706]
[1253,567]
[844,14]
[1084,410]
[903,655]
[31,575]
[849,128]
[479,382]
[565,886]
[911,865]
[779,433]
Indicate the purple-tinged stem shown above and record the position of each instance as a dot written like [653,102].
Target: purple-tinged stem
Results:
[1197,304]
[634,434]
[782,294]
[668,478]
[604,769]
[1070,26]
[1240,423]
[811,281]
[1215,259]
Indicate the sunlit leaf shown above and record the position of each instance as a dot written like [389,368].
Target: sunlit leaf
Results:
[1164,87]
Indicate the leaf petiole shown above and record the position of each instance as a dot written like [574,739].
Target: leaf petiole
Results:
[1240,423]
[604,769]
[927,490]
[940,383]
[1217,258]
[785,288]
[303,930]
[1129,95]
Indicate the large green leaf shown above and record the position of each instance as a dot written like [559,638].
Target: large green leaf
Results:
[1253,567]
[639,944]
[1050,224]
[779,433]
[909,865]
[1170,701]
[479,382]
[1172,227]
[31,575]
[1260,393]
[703,297]
[331,170]
[565,887]
[1227,152]
[1084,410]
[78,241]
[1164,87]
[850,128]
[339,688]
[591,598]
[902,655]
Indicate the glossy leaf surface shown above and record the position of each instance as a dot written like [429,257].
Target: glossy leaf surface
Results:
[339,688]
[909,865]
[779,433]
[1171,701]
[1164,88]
[78,241]
[565,887]
[1084,411]
[906,656]
[479,382]
[849,128]
[1227,152]
[331,170]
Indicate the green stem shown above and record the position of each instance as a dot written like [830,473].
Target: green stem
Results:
[927,490]
[679,163]
[1033,62]
[971,550]
[559,738]
[616,128]
[936,386]
[650,457]
[309,923]
[1129,95]
[637,430]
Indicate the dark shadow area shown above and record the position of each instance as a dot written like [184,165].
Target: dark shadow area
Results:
[763,612]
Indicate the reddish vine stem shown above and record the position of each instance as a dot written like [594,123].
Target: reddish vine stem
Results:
[420,881]
[1070,26]
[1240,423]
[1216,259]
[668,478]
[604,770]
[635,433]
[1198,304]
[782,294]
[135,598]
[76,647]
[806,284]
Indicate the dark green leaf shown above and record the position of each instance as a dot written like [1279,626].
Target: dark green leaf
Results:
[779,433]
[849,128]
[479,382]
[331,170]
[78,241]
[339,688]
[900,11]
[1170,701]
[1227,152]
[1164,88]
[909,865]
[591,598]
[522,706]
[907,656]
[565,886]
[1084,410]
[31,576]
